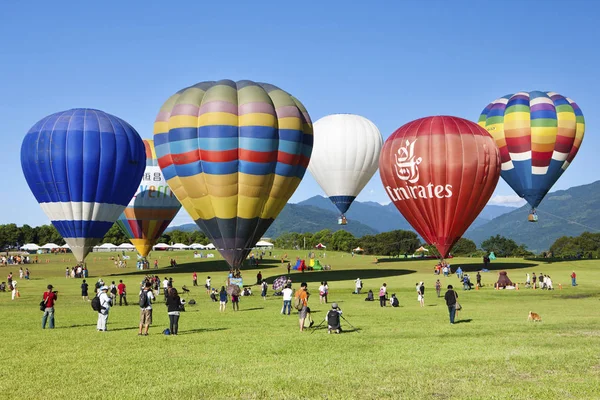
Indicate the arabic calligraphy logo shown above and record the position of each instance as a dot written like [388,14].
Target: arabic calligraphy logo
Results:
[406,164]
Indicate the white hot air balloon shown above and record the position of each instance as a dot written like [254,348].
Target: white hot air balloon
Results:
[345,156]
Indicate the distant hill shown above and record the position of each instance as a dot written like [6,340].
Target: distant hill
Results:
[562,213]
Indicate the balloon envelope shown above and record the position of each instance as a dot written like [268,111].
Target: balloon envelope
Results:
[440,172]
[151,209]
[83,166]
[345,156]
[538,134]
[233,153]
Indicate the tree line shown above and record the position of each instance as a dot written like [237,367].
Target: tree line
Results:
[394,243]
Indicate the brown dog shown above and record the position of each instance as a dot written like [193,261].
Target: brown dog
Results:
[534,317]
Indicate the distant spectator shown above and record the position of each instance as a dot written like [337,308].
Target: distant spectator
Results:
[451,298]
[49,298]
[84,291]
[573,279]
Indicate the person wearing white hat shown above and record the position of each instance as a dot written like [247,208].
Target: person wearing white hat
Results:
[105,304]
[15,290]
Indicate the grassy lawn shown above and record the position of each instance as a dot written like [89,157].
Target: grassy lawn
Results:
[398,353]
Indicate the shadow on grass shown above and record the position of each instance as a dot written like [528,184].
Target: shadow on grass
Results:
[131,328]
[75,326]
[252,309]
[200,330]
[198,267]
[462,321]
[494,266]
[344,275]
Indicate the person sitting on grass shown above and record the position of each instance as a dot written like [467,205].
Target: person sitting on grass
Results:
[370,296]
[333,319]
[394,301]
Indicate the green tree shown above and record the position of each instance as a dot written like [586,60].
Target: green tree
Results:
[28,234]
[501,246]
[115,236]
[343,241]
[464,247]
[323,236]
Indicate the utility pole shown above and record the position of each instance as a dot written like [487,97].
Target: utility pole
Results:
[304,243]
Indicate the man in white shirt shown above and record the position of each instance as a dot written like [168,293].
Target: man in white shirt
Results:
[287,299]
[357,285]
[105,304]
[165,287]
[146,298]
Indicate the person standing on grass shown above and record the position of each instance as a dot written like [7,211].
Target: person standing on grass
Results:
[259,278]
[122,289]
[264,286]
[235,302]
[357,286]
[84,291]
[382,292]
[146,299]
[421,294]
[438,287]
[287,299]
[573,279]
[104,309]
[49,299]
[533,279]
[20,272]
[173,309]
[113,293]
[222,299]
[304,313]
[195,278]
[478,276]
[322,293]
[67,274]
[527,280]
[451,297]
[15,291]
[207,285]
[165,284]
[289,267]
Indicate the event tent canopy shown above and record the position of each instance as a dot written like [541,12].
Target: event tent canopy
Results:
[210,246]
[320,246]
[50,246]
[161,246]
[30,247]
[358,250]
[263,243]
[65,246]
[197,246]
[180,246]
[126,246]
[421,249]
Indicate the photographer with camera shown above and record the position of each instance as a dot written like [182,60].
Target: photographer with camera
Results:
[333,319]
[47,304]
[105,303]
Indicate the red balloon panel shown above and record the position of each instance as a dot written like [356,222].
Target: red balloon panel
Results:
[440,172]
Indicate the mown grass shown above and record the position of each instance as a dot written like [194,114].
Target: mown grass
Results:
[257,353]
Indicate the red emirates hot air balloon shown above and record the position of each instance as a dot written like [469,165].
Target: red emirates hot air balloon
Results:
[440,172]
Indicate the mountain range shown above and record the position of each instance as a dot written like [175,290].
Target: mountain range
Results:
[562,213]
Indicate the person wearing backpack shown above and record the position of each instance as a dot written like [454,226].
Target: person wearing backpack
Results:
[301,304]
[333,319]
[146,298]
[84,291]
[48,302]
[113,293]
[105,303]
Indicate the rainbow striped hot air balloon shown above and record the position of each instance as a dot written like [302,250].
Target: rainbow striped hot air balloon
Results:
[538,134]
[151,209]
[233,153]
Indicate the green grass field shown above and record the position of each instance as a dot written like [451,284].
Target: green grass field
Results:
[398,353]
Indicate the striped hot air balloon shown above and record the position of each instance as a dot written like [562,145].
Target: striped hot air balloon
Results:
[538,134]
[151,209]
[83,166]
[233,153]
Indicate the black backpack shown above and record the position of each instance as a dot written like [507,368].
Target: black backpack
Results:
[144,301]
[113,290]
[333,318]
[96,304]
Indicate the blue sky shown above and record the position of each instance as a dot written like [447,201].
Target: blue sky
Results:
[391,62]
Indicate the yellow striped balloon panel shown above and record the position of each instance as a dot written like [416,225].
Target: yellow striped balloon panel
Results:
[233,153]
[152,208]
[538,134]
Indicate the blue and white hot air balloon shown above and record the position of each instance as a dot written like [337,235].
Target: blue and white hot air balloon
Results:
[345,156]
[83,167]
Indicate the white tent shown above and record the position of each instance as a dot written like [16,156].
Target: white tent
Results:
[263,243]
[30,247]
[358,250]
[421,250]
[210,246]
[65,246]
[49,246]
[105,247]
[161,246]
[126,246]
[320,246]
[197,246]
[180,246]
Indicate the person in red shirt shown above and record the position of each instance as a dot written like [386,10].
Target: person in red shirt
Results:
[573,279]
[48,300]
[122,293]
[195,278]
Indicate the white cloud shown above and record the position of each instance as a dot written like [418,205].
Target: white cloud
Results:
[509,201]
